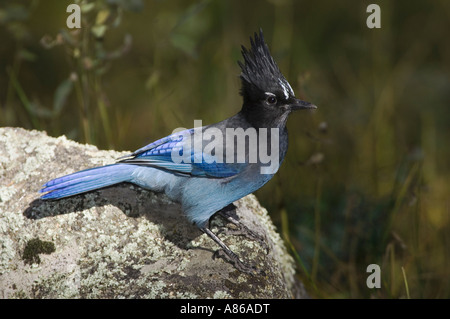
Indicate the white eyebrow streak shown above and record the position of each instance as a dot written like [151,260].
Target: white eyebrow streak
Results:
[269,93]
[286,88]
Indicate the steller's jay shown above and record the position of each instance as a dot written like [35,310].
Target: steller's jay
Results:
[206,177]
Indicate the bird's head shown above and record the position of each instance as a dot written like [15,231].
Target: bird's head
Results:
[267,94]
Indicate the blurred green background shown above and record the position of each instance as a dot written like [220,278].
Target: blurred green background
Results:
[366,178]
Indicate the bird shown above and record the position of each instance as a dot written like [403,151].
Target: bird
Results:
[207,181]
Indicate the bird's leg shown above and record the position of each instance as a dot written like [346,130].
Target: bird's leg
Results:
[229,214]
[229,254]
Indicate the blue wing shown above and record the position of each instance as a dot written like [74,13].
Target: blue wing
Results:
[160,154]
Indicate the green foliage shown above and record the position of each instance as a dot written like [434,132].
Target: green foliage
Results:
[366,178]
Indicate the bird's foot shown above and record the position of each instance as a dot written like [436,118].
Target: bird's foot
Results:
[250,269]
[228,255]
[242,230]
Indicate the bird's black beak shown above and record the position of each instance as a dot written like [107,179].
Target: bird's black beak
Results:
[301,105]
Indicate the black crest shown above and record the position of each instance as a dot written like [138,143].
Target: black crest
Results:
[259,70]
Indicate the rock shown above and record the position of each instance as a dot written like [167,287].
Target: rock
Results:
[121,241]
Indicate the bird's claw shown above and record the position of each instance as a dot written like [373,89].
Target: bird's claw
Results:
[242,230]
[247,233]
[250,269]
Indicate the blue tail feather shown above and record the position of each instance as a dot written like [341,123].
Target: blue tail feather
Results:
[87,180]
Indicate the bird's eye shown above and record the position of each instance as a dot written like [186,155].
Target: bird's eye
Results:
[271,99]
